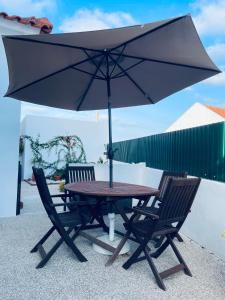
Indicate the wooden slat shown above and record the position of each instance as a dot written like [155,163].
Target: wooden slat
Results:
[80,173]
[172,270]
[42,252]
[97,242]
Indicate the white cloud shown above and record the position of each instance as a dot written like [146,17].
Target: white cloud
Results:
[217,51]
[25,8]
[217,80]
[87,20]
[210,17]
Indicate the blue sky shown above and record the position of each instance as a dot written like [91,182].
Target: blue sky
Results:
[74,15]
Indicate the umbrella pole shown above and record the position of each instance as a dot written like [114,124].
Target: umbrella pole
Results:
[110,150]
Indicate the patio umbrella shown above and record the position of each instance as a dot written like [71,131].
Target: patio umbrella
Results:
[136,65]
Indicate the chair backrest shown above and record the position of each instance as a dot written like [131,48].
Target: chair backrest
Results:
[79,173]
[164,180]
[177,199]
[45,194]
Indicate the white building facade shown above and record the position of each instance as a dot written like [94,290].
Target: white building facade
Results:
[9,123]
[197,115]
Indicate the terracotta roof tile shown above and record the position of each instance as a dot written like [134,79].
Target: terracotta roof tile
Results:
[218,110]
[43,23]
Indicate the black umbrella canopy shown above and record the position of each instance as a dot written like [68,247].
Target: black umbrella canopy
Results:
[112,68]
[145,64]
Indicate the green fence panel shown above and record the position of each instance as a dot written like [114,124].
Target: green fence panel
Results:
[200,151]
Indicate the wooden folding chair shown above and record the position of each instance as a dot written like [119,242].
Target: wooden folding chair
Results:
[86,173]
[175,206]
[158,199]
[74,220]
[163,183]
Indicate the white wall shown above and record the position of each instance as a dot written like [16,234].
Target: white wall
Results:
[9,127]
[92,133]
[197,115]
[206,222]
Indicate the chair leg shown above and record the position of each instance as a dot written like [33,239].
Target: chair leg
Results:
[118,249]
[154,270]
[179,238]
[92,220]
[133,258]
[179,257]
[101,221]
[67,239]
[46,258]
[98,218]
[65,202]
[77,231]
[160,250]
[43,239]
[158,241]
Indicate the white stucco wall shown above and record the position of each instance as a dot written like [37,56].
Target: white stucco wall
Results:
[206,222]
[9,126]
[92,133]
[197,115]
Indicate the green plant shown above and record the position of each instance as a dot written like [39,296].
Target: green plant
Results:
[69,149]
[101,161]
[35,145]
[62,186]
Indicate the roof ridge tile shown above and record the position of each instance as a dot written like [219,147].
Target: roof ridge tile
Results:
[43,23]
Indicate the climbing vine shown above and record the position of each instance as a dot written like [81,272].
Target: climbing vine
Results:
[68,149]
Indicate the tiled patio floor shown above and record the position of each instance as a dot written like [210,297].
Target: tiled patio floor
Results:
[66,278]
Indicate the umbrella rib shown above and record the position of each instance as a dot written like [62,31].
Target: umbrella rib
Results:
[150,31]
[117,60]
[167,62]
[49,75]
[133,81]
[88,55]
[89,84]
[120,74]
[86,72]
[52,43]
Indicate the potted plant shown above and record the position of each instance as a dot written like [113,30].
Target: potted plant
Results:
[58,174]
[57,177]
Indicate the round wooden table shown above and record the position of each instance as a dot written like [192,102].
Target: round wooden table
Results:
[120,190]
[102,189]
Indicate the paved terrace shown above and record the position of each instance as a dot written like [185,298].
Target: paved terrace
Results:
[66,278]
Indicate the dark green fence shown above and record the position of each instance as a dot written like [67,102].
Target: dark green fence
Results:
[200,151]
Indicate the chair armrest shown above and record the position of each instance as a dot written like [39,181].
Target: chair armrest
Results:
[142,211]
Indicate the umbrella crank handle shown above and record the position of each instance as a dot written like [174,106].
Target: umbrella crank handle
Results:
[110,153]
